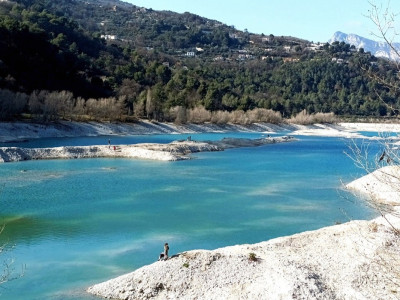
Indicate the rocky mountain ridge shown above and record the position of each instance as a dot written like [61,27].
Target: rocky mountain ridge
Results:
[377,48]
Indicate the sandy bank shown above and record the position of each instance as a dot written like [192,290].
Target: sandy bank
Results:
[177,150]
[348,261]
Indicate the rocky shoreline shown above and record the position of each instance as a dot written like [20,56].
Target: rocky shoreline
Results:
[19,131]
[356,260]
[177,150]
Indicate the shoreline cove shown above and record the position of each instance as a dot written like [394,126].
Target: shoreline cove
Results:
[354,260]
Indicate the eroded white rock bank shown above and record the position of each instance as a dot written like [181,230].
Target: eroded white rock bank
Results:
[348,261]
[178,150]
[19,131]
[355,260]
[382,186]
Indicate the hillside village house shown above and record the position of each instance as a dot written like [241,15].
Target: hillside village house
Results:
[108,37]
[290,59]
[265,39]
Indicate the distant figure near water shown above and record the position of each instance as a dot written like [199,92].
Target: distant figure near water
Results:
[109,143]
[164,255]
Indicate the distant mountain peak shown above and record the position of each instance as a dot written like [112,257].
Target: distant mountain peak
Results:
[379,49]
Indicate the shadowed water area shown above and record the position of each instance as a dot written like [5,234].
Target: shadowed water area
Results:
[79,222]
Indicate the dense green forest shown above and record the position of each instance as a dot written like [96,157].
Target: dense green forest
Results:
[112,60]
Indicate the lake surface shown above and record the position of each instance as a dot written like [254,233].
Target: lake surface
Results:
[74,223]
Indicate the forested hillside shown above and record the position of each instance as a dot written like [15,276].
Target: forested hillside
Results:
[111,60]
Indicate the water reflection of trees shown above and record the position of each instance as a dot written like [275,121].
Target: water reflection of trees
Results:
[26,229]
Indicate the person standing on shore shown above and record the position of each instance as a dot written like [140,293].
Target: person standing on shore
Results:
[166,249]
[164,255]
[109,143]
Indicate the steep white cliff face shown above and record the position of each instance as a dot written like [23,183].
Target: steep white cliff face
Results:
[379,49]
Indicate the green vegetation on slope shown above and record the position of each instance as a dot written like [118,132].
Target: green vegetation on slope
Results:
[109,59]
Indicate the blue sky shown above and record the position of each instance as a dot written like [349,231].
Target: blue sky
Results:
[314,20]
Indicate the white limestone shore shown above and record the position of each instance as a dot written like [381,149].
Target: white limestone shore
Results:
[382,186]
[177,150]
[355,260]
[18,131]
[10,131]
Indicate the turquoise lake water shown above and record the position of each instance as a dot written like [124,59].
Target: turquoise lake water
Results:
[75,223]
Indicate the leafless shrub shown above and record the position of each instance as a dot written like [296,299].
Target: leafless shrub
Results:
[264,116]
[239,117]
[198,115]
[304,118]
[258,115]
[328,118]
[220,117]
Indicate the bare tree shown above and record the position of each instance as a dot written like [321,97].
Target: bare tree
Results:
[79,109]
[150,107]
[198,115]
[385,21]
[264,115]
[220,117]
[382,164]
